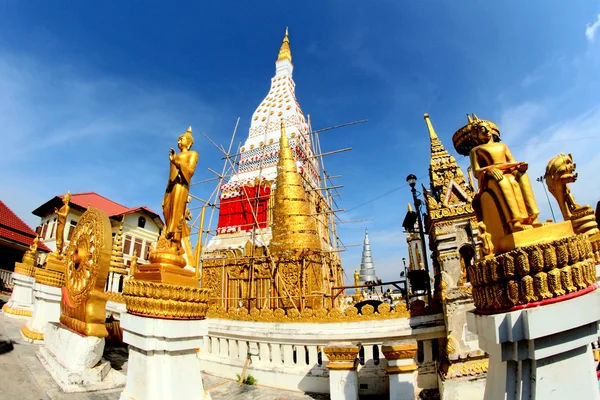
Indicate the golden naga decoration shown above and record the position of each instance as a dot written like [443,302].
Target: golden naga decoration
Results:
[62,220]
[525,261]
[83,305]
[166,259]
[559,173]
[350,314]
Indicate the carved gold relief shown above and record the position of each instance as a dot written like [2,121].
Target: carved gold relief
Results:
[292,315]
[342,356]
[533,273]
[465,368]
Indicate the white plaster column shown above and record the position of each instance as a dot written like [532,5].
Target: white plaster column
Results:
[401,368]
[163,358]
[343,379]
[20,304]
[46,309]
[542,352]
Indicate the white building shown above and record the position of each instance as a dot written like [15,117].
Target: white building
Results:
[141,225]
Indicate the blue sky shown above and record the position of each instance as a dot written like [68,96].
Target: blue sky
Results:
[92,95]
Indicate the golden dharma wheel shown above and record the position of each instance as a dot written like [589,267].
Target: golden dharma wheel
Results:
[88,256]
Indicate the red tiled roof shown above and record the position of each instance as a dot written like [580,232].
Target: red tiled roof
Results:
[96,201]
[15,229]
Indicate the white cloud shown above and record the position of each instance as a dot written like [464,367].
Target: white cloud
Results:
[590,30]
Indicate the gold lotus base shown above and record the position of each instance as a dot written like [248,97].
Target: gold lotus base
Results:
[33,335]
[165,300]
[49,278]
[14,311]
[87,318]
[533,236]
[55,262]
[533,273]
[24,269]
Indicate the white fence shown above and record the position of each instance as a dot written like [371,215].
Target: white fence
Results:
[291,356]
[6,279]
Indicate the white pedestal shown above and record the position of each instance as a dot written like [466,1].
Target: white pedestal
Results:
[543,352]
[163,360]
[343,385]
[46,308]
[75,361]
[22,295]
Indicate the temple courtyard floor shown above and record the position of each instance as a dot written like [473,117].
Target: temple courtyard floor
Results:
[22,376]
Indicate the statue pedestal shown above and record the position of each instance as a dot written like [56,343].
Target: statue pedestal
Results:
[163,360]
[75,361]
[46,309]
[542,352]
[20,304]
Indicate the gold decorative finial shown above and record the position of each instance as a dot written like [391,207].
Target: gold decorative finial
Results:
[469,119]
[284,51]
[409,208]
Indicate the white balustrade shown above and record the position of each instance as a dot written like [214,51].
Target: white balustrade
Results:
[6,278]
[290,355]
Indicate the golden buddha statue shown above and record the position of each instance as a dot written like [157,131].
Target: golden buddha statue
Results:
[182,168]
[30,255]
[356,278]
[62,220]
[134,264]
[504,178]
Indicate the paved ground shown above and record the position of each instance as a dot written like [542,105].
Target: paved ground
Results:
[22,377]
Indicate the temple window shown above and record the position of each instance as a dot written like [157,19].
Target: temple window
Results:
[127,245]
[147,250]
[71,228]
[44,229]
[141,222]
[137,246]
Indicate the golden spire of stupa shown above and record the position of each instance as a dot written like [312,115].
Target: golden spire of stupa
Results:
[437,148]
[116,258]
[284,51]
[294,227]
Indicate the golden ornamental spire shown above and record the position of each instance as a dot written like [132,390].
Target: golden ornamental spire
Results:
[294,227]
[285,53]
[436,144]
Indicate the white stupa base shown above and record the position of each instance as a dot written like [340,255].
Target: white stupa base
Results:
[543,352]
[46,309]
[163,360]
[75,361]
[21,298]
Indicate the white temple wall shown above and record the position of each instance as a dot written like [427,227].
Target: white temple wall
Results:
[290,355]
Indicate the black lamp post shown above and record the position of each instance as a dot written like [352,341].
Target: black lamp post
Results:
[412,181]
